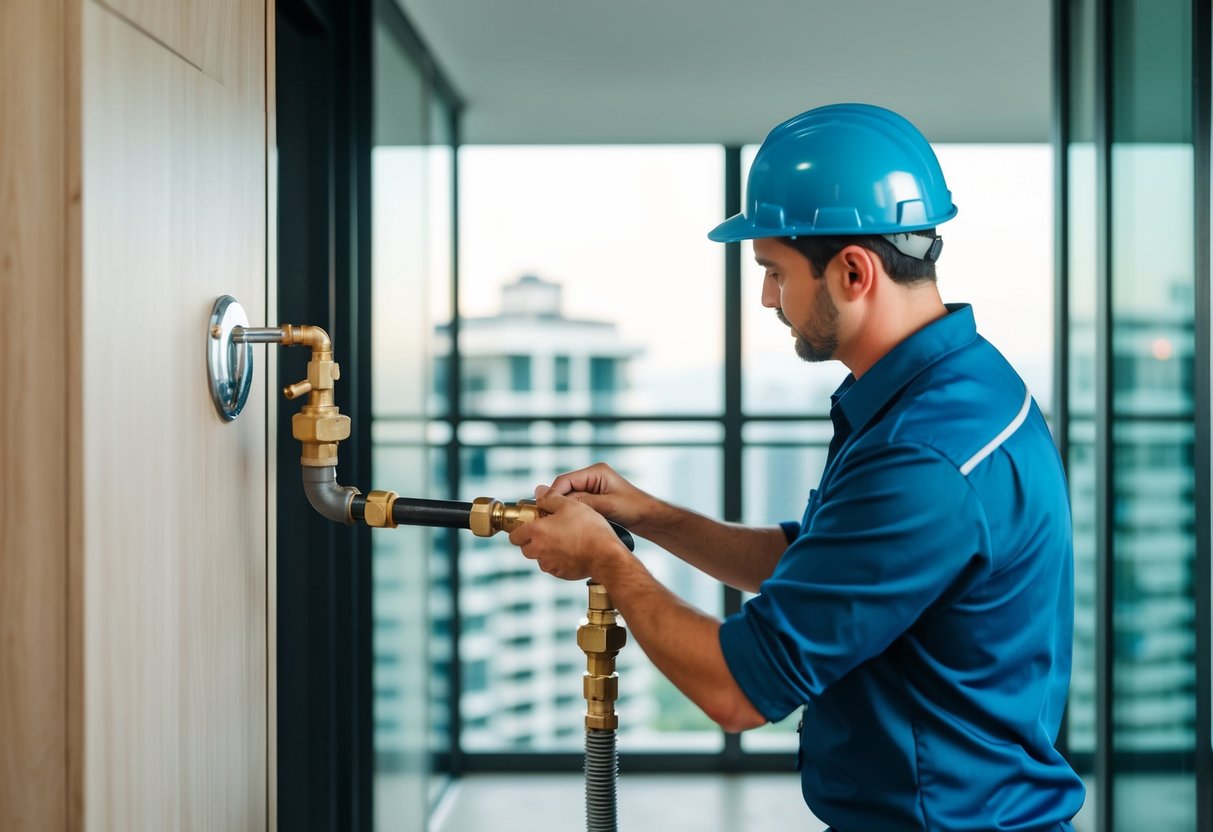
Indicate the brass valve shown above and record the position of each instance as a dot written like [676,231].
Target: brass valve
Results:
[319,425]
[601,639]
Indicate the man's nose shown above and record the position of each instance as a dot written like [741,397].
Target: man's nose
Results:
[770,293]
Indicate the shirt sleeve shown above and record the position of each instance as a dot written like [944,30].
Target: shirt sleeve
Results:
[791,530]
[897,529]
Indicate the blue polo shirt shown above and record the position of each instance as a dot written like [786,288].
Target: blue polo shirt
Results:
[923,613]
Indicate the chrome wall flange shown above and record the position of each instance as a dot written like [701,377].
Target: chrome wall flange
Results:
[229,364]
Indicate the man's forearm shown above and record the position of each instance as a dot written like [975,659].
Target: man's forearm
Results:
[681,641]
[737,555]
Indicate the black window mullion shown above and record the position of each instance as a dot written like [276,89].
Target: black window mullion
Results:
[1202,114]
[454,472]
[1104,445]
[1061,253]
[731,468]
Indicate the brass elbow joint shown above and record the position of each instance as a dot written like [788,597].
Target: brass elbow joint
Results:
[307,336]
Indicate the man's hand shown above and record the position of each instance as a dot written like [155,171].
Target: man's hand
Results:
[570,540]
[609,494]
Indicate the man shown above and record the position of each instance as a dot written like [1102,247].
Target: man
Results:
[921,612]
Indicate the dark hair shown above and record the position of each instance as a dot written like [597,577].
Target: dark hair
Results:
[902,268]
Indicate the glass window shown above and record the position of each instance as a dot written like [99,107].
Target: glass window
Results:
[562,331]
[998,256]
[1154,661]
[598,254]
[534,617]
[520,373]
[410,279]
[1152,339]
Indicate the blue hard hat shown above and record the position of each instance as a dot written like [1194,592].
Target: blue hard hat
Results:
[841,169]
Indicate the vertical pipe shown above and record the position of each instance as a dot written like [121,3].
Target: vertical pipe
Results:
[600,637]
[601,774]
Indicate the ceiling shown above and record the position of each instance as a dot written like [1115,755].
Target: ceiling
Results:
[589,71]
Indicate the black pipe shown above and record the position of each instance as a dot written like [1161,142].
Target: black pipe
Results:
[446,514]
[415,511]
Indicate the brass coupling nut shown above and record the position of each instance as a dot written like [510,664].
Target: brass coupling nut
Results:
[320,428]
[378,511]
[601,641]
[480,520]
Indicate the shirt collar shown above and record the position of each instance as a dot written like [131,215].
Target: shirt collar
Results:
[861,399]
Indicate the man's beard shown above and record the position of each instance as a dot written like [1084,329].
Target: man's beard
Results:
[822,341]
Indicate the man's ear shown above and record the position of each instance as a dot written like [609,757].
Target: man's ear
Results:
[859,270]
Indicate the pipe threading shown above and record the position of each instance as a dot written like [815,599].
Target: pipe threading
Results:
[601,775]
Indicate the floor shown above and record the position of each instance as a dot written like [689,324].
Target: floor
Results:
[646,802]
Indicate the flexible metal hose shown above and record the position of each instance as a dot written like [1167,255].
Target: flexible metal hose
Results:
[601,772]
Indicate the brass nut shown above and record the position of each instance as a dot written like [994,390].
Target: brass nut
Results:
[480,519]
[600,688]
[598,638]
[378,511]
[312,427]
[601,722]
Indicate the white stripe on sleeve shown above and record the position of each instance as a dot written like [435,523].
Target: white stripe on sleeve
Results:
[1001,437]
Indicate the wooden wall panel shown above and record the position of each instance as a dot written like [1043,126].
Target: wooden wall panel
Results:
[33,417]
[223,38]
[175,557]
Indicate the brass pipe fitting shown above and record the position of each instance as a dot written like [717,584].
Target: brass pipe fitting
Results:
[378,511]
[319,425]
[489,516]
[601,639]
[306,336]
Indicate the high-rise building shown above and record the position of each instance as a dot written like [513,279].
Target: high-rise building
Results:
[1154,534]
[521,664]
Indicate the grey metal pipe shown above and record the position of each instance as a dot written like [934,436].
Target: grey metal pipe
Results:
[326,496]
[258,334]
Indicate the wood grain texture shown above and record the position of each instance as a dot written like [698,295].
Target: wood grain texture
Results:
[222,38]
[74,304]
[174,560]
[33,418]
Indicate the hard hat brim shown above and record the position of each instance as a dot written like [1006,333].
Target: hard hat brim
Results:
[737,228]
